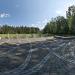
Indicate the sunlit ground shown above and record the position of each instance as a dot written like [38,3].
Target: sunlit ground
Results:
[46,57]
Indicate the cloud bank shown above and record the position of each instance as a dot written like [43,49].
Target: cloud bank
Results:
[4,15]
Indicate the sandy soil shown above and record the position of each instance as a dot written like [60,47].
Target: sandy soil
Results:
[26,40]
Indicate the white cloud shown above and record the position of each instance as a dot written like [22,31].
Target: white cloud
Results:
[68,3]
[61,11]
[4,15]
[58,11]
[40,24]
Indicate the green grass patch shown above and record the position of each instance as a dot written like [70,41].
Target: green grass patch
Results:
[15,36]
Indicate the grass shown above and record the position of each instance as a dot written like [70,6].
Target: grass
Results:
[15,36]
[7,44]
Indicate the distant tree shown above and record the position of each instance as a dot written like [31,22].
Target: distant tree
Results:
[62,25]
[5,29]
[46,29]
[71,18]
[57,25]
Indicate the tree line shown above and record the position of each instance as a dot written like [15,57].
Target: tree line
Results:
[57,25]
[62,25]
[5,29]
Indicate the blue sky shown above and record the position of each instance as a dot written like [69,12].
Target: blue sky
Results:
[32,12]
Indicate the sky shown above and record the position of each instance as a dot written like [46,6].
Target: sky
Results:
[32,12]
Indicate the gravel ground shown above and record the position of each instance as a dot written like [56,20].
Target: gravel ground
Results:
[46,57]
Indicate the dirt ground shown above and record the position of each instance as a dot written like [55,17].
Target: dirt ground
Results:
[26,40]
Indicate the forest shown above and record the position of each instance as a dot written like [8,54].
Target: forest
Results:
[7,29]
[61,25]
